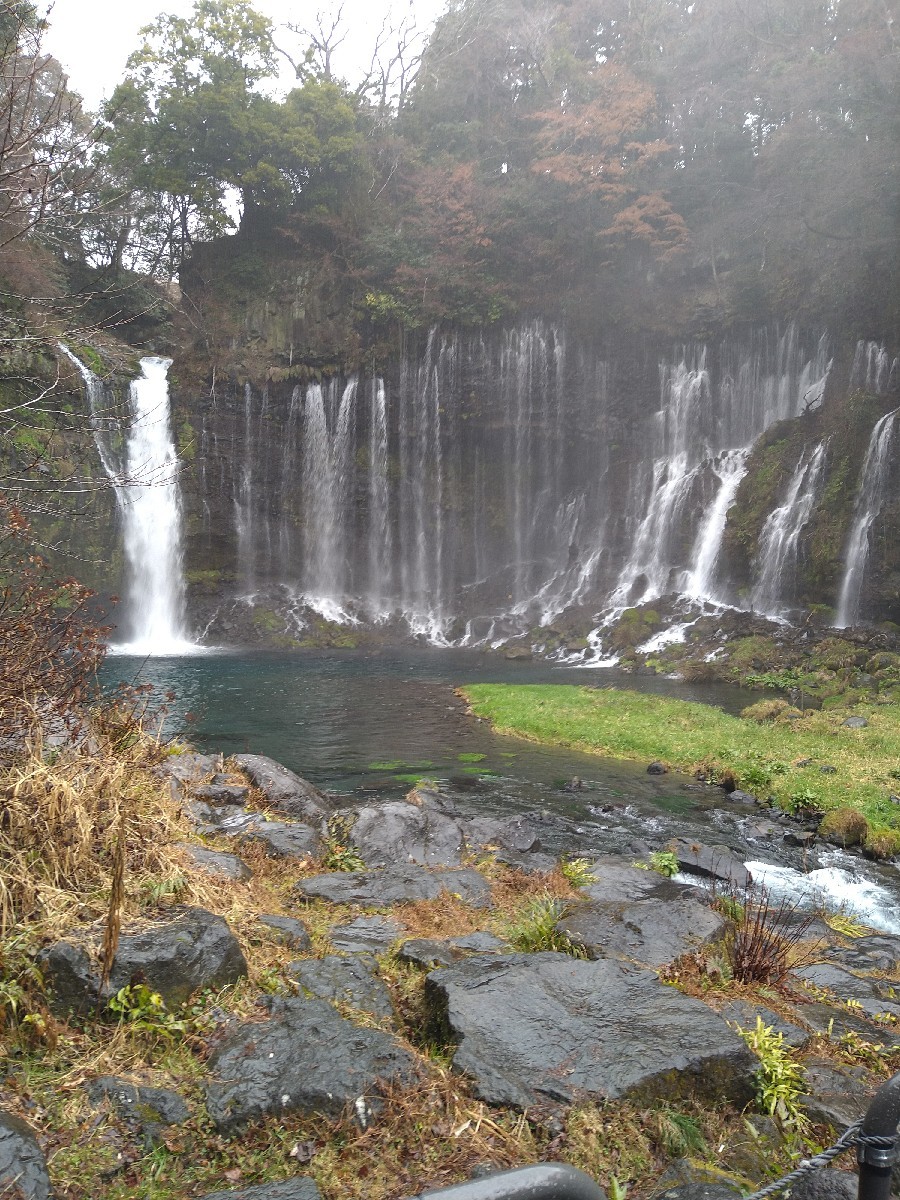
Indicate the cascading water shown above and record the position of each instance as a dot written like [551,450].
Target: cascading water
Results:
[780,537]
[146,488]
[149,500]
[869,503]
[500,479]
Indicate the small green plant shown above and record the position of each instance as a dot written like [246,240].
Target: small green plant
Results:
[780,1077]
[617,1190]
[842,922]
[471,757]
[578,871]
[803,802]
[664,862]
[337,853]
[137,1006]
[678,1134]
[534,928]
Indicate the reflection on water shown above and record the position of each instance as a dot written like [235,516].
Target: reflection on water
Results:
[361,725]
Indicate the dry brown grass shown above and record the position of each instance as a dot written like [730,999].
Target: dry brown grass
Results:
[59,829]
[444,917]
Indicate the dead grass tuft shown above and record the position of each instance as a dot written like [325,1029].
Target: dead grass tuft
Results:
[445,916]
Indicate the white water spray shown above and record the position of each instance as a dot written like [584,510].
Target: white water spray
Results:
[868,505]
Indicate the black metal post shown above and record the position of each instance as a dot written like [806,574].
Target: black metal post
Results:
[546,1181]
[876,1150]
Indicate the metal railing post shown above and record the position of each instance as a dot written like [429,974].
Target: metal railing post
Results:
[546,1181]
[876,1150]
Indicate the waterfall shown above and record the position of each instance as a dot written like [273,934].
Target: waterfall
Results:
[243,501]
[730,468]
[869,503]
[327,431]
[780,536]
[145,479]
[873,370]
[380,546]
[704,427]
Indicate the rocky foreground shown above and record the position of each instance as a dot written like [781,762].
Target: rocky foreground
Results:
[534,1032]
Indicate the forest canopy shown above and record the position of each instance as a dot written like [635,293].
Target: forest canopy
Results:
[740,152]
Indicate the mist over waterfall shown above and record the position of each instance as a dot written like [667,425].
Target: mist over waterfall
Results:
[491,482]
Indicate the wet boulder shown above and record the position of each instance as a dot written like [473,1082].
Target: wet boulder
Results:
[148,1110]
[282,839]
[304,1058]
[616,1032]
[712,862]
[350,979]
[288,793]
[188,950]
[217,862]
[650,931]
[23,1169]
[287,931]
[364,935]
[403,831]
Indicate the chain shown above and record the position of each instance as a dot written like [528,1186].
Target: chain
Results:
[848,1138]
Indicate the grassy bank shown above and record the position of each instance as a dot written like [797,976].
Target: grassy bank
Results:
[803,761]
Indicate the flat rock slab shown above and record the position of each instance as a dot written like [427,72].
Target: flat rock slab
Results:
[191,768]
[351,979]
[835,1094]
[867,993]
[538,1027]
[23,1169]
[287,931]
[618,879]
[219,794]
[876,952]
[365,935]
[402,884]
[283,839]
[305,1058]
[398,831]
[712,862]
[652,932]
[216,862]
[436,952]
[283,790]
[190,949]
[288,1189]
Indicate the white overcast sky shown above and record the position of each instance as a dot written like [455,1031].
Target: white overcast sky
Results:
[93,38]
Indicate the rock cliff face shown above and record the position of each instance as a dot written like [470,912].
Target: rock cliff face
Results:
[481,484]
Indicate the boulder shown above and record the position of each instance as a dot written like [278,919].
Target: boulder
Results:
[835,1094]
[856,723]
[216,862]
[433,952]
[305,1058]
[283,839]
[617,879]
[657,768]
[148,1110]
[365,935]
[616,1032]
[190,768]
[300,1188]
[283,790]
[215,819]
[744,1014]
[829,1184]
[287,931]
[188,950]
[875,952]
[398,831]
[23,1169]
[402,884]
[712,862]
[221,794]
[350,979]
[652,931]
[867,994]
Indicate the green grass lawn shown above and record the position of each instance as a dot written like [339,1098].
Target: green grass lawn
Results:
[764,757]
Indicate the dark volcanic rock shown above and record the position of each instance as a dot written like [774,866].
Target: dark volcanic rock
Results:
[829,1184]
[364,935]
[433,952]
[288,1189]
[403,884]
[283,790]
[189,768]
[867,993]
[23,1170]
[147,1109]
[221,794]
[713,862]
[352,979]
[649,931]
[744,1014]
[877,952]
[834,1094]
[305,1058]
[216,862]
[618,879]
[657,768]
[288,931]
[400,831]
[190,949]
[283,839]
[616,1031]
